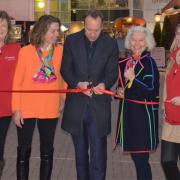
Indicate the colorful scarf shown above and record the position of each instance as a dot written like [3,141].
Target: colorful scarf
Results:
[45,73]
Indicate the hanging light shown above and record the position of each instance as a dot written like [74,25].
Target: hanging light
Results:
[41,4]
[74,11]
[129,19]
[157,17]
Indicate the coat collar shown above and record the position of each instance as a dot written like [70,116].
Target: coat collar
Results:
[98,51]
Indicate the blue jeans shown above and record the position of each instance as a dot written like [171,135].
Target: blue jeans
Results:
[93,167]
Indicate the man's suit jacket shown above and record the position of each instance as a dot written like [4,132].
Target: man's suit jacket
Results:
[76,68]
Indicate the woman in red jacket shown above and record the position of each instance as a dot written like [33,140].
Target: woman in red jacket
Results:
[170,147]
[8,59]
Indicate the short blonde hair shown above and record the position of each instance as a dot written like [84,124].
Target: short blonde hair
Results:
[148,37]
[174,45]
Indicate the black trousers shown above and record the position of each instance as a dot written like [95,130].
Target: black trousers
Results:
[143,169]
[170,153]
[4,125]
[46,128]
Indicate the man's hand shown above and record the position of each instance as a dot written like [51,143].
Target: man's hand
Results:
[99,86]
[120,92]
[84,85]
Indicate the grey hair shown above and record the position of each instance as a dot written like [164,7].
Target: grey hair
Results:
[148,37]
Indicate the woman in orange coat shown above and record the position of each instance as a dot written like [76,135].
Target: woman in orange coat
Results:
[38,69]
[8,60]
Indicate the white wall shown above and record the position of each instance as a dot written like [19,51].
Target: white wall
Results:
[150,9]
[19,9]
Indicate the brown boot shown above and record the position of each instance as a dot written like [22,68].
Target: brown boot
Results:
[2,163]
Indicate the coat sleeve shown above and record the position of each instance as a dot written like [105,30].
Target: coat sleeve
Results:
[111,69]
[18,80]
[67,66]
[148,84]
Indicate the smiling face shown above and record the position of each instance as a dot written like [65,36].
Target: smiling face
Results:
[93,28]
[52,35]
[138,43]
[3,29]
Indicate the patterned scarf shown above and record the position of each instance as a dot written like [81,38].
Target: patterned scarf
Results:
[45,72]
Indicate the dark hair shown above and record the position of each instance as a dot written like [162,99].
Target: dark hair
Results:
[94,14]
[4,16]
[40,29]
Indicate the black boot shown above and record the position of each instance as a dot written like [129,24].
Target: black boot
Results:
[2,163]
[22,165]
[46,165]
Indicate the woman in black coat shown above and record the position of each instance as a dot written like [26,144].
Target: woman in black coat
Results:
[140,82]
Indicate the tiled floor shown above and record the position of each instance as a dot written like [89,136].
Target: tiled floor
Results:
[120,166]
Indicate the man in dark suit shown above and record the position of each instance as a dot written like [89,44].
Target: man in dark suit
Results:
[90,59]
